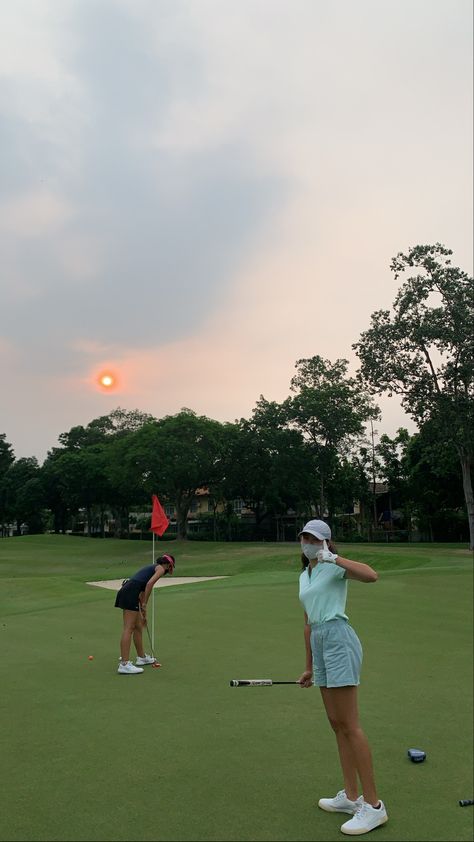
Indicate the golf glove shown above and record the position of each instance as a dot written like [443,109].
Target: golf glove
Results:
[326,555]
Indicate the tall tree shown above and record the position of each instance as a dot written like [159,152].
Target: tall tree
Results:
[7,458]
[175,456]
[435,484]
[330,409]
[120,422]
[270,467]
[126,470]
[6,454]
[393,470]
[117,423]
[24,498]
[91,470]
[424,351]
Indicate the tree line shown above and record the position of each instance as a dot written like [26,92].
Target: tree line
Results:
[313,454]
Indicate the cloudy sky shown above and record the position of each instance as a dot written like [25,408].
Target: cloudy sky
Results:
[194,194]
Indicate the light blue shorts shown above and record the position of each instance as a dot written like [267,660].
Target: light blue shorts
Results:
[337,654]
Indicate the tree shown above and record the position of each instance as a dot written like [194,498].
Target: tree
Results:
[117,423]
[120,422]
[424,351]
[24,497]
[270,465]
[90,470]
[6,454]
[86,480]
[175,456]
[7,458]
[393,470]
[221,488]
[126,470]
[363,469]
[330,409]
[435,485]
[62,479]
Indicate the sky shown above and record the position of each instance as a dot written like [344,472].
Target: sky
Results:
[195,194]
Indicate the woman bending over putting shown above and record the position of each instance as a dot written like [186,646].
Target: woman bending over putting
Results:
[333,662]
[132,598]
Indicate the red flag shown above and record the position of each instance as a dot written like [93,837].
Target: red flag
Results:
[159,521]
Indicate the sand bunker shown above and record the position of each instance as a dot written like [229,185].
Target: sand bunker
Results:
[115,584]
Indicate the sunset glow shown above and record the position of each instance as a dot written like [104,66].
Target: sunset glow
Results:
[107,381]
[190,208]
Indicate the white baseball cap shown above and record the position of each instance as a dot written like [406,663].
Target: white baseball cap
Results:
[318,528]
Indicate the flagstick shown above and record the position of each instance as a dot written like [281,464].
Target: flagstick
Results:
[153,602]
[159,524]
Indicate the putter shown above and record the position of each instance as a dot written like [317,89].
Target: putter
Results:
[257,682]
[156,663]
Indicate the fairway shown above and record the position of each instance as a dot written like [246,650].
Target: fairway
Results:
[175,753]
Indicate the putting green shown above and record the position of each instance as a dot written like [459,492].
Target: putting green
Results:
[175,753]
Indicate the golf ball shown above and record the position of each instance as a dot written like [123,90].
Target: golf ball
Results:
[91,657]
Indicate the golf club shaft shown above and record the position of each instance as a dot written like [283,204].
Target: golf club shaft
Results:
[257,682]
[151,644]
[148,633]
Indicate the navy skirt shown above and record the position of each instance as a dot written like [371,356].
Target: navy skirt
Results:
[128,596]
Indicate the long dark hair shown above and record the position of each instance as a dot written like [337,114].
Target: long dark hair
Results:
[305,561]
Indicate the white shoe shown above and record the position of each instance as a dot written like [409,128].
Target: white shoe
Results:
[128,668]
[340,803]
[147,659]
[366,818]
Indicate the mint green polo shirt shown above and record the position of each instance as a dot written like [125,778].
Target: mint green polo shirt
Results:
[324,593]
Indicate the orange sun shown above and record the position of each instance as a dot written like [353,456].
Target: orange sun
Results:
[107,380]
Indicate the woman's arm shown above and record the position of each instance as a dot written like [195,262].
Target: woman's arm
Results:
[306,679]
[307,643]
[357,570]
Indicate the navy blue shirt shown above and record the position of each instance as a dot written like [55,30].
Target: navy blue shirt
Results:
[144,574]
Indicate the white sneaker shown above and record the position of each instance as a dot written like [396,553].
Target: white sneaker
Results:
[340,803]
[147,659]
[128,668]
[366,818]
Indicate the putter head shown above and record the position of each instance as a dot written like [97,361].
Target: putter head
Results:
[416,755]
[156,665]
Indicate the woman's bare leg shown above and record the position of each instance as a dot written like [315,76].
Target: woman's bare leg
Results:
[138,636]
[354,749]
[346,756]
[129,621]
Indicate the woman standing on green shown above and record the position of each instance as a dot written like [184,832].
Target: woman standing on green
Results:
[333,662]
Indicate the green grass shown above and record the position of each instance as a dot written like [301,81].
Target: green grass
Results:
[176,754]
